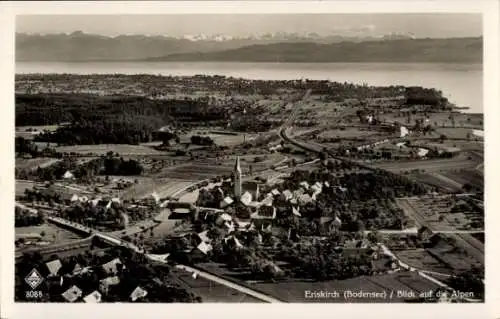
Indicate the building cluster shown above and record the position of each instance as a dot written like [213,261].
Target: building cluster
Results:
[74,293]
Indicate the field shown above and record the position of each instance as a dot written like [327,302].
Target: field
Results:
[102,149]
[203,169]
[440,119]
[34,163]
[294,291]
[347,133]
[459,162]
[22,185]
[421,259]
[210,291]
[21,131]
[436,213]
[470,176]
[162,186]
[53,234]
[457,132]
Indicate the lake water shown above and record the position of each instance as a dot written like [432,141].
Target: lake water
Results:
[460,83]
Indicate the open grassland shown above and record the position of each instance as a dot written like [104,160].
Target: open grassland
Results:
[102,149]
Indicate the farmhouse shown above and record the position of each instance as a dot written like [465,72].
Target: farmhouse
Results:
[93,297]
[106,283]
[72,294]
[53,267]
[138,293]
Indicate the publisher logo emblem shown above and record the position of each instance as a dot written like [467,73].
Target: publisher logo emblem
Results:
[34,279]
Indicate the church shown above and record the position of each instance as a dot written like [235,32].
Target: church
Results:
[247,191]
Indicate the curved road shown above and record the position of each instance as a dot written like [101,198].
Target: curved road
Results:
[465,239]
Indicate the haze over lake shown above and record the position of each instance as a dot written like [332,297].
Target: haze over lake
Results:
[462,84]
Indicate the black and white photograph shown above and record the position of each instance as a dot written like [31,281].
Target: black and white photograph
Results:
[249,158]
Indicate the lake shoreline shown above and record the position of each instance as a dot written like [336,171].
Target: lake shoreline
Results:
[460,83]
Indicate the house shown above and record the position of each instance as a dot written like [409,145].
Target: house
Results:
[326,184]
[337,223]
[226,202]
[304,185]
[288,194]
[268,201]
[204,247]
[72,294]
[275,192]
[68,175]
[424,233]
[111,267]
[422,152]
[161,258]
[203,236]
[95,201]
[222,218]
[233,242]
[265,212]
[77,270]
[252,187]
[243,225]
[106,283]
[74,198]
[298,192]
[304,199]
[403,131]
[93,297]
[246,198]
[181,213]
[138,293]
[156,197]
[384,264]
[53,267]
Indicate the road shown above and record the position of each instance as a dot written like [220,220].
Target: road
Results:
[469,243]
[230,284]
[119,242]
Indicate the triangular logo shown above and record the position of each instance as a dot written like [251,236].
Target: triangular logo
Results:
[34,279]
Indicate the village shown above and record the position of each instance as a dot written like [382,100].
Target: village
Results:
[250,212]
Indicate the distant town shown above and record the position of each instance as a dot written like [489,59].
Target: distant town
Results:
[144,188]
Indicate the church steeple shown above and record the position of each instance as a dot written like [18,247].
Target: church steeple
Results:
[237,178]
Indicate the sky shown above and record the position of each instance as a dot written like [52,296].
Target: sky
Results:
[433,25]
